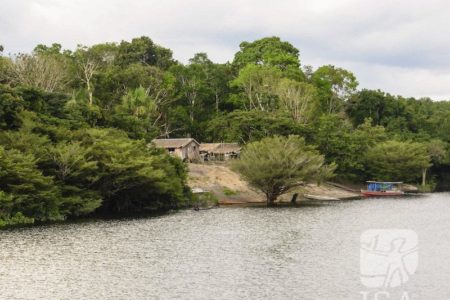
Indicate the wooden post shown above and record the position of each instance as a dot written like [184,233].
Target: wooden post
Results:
[294,198]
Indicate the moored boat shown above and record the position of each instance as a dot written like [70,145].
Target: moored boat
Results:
[383,189]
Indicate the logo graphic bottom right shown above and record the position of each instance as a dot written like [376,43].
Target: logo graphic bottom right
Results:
[388,257]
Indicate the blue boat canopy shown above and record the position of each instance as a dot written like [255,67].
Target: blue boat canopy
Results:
[391,182]
[382,186]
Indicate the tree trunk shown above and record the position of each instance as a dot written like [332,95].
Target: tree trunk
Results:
[217,103]
[270,199]
[424,177]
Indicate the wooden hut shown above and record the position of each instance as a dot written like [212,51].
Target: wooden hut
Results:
[188,149]
[219,151]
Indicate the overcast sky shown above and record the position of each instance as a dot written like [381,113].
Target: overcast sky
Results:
[402,47]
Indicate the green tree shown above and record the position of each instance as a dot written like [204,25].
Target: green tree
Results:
[258,84]
[80,110]
[33,194]
[197,92]
[76,174]
[277,164]
[344,145]
[271,52]
[361,139]
[137,114]
[439,153]
[132,178]
[143,50]
[216,76]
[253,125]
[397,161]
[335,85]
[10,106]
[384,109]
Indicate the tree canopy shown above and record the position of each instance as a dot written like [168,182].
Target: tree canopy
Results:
[398,161]
[276,165]
[74,123]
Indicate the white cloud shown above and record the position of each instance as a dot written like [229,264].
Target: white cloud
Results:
[399,46]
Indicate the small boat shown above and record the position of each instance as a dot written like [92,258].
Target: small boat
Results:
[320,198]
[383,189]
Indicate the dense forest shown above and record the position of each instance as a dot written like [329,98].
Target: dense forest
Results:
[75,124]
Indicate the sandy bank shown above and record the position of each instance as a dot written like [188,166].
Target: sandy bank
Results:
[229,188]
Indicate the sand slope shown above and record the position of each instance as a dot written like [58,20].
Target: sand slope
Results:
[229,188]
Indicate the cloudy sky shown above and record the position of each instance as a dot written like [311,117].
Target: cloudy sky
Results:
[400,46]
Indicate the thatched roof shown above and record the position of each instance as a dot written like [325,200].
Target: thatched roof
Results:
[220,148]
[173,143]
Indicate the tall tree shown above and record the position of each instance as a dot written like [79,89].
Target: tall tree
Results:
[143,50]
[297,98]
[270,51]
[335,85]
[216,76]
[89,62]
[258,84]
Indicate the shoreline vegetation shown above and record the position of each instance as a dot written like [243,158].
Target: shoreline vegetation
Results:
[230,190]
[76,128]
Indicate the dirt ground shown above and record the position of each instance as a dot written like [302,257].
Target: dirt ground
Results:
[229,188]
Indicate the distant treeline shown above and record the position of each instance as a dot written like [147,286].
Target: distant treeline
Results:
[75,124]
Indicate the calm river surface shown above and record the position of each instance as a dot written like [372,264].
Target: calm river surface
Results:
[309,252]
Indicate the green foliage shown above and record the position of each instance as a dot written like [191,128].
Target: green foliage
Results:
[397,161]
[137,114]
[10,106]
[270,51]
[132,178]
[277,164]
[74,124]
[258,84]
[247,126]
[345,145]
[335,85]
[33,194]
[229,192]
[427,188]
[143,50]
[95,170]
[42,102]
[382,108]
[76,172]
[204,200]
[81,111]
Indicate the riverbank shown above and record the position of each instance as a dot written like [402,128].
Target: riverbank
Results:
[230,189]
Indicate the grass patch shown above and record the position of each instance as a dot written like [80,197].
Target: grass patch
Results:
[229,192]
[207,199]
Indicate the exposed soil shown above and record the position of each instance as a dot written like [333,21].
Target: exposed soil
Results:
[229,188]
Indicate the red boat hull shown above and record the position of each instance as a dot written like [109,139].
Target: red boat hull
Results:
[381,194]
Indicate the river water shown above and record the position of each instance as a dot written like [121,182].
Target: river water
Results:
[308,252]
